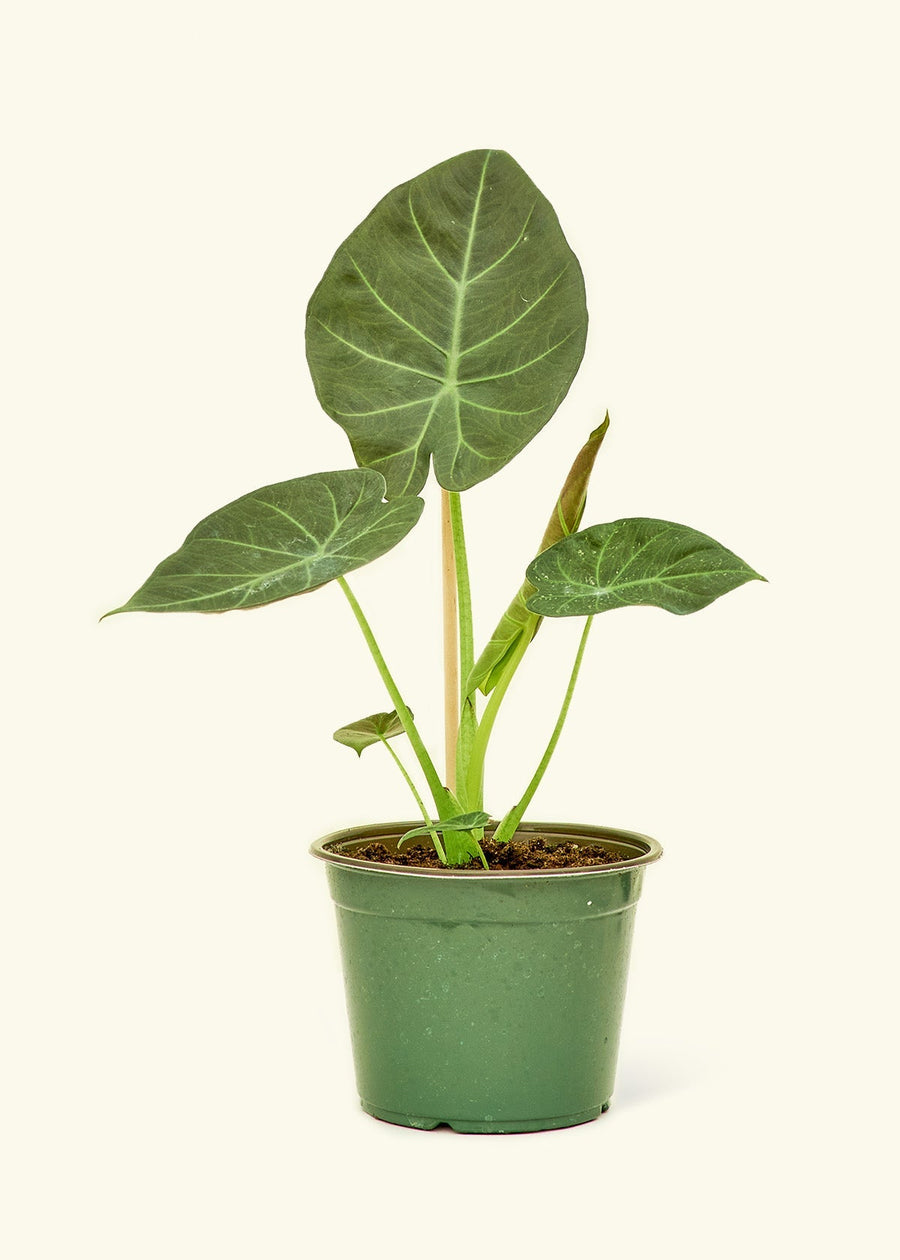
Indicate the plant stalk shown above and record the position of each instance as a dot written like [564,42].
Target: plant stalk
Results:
[508,826]
[464,590]
[475,773]
[444,801]
[451,642]
[468,721]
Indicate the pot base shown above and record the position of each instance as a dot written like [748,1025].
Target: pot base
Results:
[485,1126]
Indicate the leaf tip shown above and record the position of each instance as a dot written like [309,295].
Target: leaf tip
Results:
[600,430]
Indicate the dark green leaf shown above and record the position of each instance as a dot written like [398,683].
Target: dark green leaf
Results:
[634,561]
[517,622]
[462,822]
[280,540]
[450,323]
[369,730]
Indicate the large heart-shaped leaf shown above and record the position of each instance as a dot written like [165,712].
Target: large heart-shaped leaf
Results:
[366,731]
[450,323]
[277,541]
[634,561]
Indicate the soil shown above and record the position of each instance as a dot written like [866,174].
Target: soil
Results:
[519,854]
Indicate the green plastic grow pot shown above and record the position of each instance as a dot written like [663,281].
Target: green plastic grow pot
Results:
[487,1001]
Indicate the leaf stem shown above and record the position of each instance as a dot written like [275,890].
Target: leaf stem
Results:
[451,641]
[466,632]
[468,721]
[421,804]
[444,801]
[509,824]
[475,774]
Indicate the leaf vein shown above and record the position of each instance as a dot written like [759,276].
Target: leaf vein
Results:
[480,380]
[537,301]
[404,367]
[396,314]
[437,262]
[383,411]
[273,507]
[505,255]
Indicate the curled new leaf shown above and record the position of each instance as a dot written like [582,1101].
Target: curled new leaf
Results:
[370,730]
[634,561]
[449,324]
[278,541]
[518,623]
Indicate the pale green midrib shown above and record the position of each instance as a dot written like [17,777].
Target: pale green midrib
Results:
[246,587]
[454,353]
[243,577]
[250,580]
[247,582]
[612,593]
[367,730]
[458,307]
[665,528]
[659,579]
[450,384]
[235,542]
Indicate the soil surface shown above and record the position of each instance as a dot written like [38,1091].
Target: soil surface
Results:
[531,854]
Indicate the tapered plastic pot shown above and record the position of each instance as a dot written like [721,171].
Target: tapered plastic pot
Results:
[487,1001]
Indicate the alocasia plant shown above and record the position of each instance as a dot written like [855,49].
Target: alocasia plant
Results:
[444,334]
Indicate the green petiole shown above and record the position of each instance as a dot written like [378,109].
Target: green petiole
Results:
[446,805]
[474,784]
[468,721]
[508,825]
[421,804]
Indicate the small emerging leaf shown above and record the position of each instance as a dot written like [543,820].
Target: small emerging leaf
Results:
[369,730]
[518,622]
[280,540]
[634,561]
[462,822]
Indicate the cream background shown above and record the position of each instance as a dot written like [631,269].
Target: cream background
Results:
[176,1077]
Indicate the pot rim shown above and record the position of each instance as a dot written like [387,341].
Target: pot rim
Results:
[647,850]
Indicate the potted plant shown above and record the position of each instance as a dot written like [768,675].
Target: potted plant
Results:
[485,960]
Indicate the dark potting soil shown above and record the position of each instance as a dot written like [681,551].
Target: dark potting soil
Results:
[532,854]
